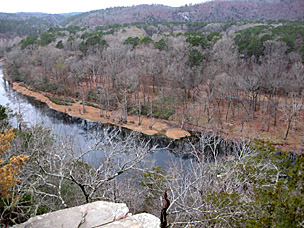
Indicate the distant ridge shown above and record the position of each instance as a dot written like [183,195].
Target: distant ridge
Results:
[70,14]
[218,10]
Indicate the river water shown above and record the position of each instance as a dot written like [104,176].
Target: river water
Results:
[36,113]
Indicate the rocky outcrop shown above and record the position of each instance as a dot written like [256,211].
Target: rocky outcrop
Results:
[97,214]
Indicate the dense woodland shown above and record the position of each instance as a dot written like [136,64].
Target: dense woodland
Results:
[237,79]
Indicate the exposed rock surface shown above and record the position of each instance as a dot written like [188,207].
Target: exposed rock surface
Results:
[97,214]
[143,220]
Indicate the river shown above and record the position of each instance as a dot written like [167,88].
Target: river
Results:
[36,113]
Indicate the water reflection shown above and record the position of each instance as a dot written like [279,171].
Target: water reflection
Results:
[80,131]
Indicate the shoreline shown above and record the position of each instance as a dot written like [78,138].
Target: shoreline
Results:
[160,127]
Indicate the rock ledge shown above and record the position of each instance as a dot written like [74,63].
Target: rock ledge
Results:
[97,214]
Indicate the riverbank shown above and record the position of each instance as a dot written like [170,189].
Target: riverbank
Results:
[159,127]
[170,129]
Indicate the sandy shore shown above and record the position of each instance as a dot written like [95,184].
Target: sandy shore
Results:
[93,114]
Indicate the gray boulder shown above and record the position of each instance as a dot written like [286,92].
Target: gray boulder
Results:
[143,220]
[96,214]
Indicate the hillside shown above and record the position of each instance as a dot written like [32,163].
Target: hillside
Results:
[209,11]
[34,23]
[22,24]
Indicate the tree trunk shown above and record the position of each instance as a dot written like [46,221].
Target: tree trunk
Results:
[275,114]
[288,127]
[139,113]
[153,82]
[83,100]
[151,115]
[126,108]
[228,107]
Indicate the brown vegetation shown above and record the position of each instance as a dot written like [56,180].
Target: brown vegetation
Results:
[212,81]
[93,114]
[208,11]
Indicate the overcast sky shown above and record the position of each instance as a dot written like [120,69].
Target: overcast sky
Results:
[67,6]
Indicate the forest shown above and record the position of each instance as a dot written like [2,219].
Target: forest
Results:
[238,79]
[237,83]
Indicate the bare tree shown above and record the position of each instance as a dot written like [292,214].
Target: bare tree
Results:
[78,70]
[204,193]
[274,66]
[114,58]
[292,110]
[61,173]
